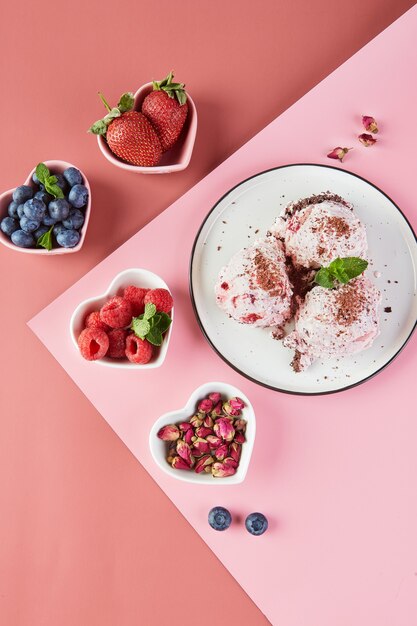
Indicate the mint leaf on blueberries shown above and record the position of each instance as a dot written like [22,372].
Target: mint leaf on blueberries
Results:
[45,240]
[52,188]
[150,311]
[126,102]
[42,172]
[342,270]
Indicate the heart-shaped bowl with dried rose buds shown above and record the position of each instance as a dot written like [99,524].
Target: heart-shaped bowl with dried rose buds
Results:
[56,167]
[138,278]
[210,440]
[175,159]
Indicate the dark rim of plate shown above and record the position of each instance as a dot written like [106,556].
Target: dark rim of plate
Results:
[203,330]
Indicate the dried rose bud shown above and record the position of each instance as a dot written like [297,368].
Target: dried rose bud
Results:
[203,463]
[240,437]
[201,446]
[196,421]
[189,436]
[369,124]
[169,433]
[184,451]
[217,410]
[205,406]
[220,470]
[185,426]
[221,452]
[215,397]
[214,441]
[230,462]
[338,153]
[203,432]
[230,411]
[240,424]
[237,403]
[224,429]
[208,421]
[235,451]
[367,140]
[179,463]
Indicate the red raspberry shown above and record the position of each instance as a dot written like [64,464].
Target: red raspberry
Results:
[161,298]
[117,343]
[135,295]
[138,350]
[117,312]
[93,321]
[93,343]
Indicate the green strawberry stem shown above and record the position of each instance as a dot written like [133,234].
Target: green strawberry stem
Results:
[173,90]
[104,101]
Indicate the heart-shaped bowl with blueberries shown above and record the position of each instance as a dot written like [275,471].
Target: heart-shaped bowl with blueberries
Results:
[37,222]
[101,326]
[210,440]
[175,158]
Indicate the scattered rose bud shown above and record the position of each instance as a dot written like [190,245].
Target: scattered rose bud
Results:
[221,452]
[169,433]
[214,441]
[369,124]
[184,451]
[367,140]
[203,463]
[179,463]
[240,437]
[220,470]
[205,406]
[215,397]
[201,446]
[203,432]
[338,153]
[224,429]
[235,451]
[240,424]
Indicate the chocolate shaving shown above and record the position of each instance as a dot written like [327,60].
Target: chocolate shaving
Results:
[350,302]
[315,199]
[267,276]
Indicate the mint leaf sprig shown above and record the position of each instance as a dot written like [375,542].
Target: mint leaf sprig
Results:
[126,102]
[45,240]
[48,181]
[342,270]
[151,325]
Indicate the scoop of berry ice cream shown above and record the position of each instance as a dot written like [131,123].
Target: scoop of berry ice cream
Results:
[254,287]
[317,230]
[335,322]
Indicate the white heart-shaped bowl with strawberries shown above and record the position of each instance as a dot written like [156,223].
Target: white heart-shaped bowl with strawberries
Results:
[56,167]
[159,448]
[175,159]
[138,278]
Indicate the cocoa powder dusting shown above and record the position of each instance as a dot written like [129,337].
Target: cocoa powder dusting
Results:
[350,303]
[267,276]
[337,225]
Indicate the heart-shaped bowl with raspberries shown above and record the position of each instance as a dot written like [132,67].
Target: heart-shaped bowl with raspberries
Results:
[56,167]
[175,159]
[131,278]
[210,440]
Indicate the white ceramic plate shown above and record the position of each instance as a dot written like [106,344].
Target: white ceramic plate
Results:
[245,213]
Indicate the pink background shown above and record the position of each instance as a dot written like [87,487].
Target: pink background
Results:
[87,537]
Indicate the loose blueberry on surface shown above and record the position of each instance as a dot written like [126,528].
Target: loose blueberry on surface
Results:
[29,225]
[59,209]
[22,193]
[256,523]
[78,196]
[41,231]
[58,228]
[68,238]
[74,220]
[20,211]
[12,209]
[35,209]
[8,225]
[219,518]
[44,196]
[22,239]
[73,176]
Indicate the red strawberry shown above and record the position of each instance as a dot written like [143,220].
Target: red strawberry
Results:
[167,108]
[129,134]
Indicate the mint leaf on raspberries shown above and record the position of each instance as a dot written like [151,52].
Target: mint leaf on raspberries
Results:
[151,325]
[140,327]
[150,310]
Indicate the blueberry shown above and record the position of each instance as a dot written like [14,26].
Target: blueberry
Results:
[22,239]
[35,178]
[61,182]
[41,231]
[20,211]
[74,220]
[22,193]
[219,518]
[58,228]
[48,220]
[59,209]
[68,238]
[78,196]
[256,523]
[45,197]
[29,225]
[9,225]
[35,209]
[12,209]
[73,176]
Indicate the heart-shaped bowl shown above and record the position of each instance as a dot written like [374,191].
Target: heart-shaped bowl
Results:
[57,167]
[159,447]
[138,278]
[173,160]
